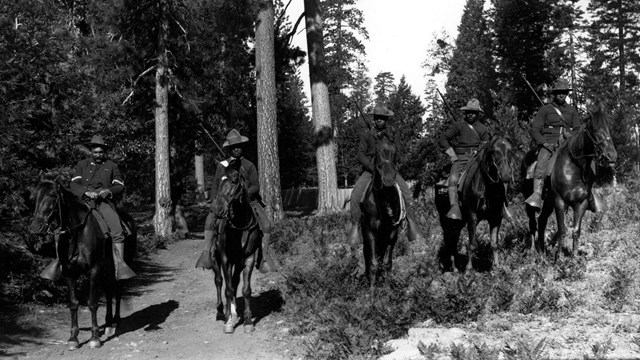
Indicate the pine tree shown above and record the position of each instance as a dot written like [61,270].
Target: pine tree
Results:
[472,74]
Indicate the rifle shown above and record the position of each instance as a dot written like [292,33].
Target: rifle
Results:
[533,91]
[214,142]
[361,114]
[447,105]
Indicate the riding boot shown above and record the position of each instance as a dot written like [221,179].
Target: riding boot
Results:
[454,213]
[123,271]
[266,263]
[535,200]
[205,260]
[412,231]
[53,271]
[597,203]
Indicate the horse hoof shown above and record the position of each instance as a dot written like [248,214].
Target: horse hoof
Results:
[73,344]
[228,328]
[95,343]
[110,331]
[249,328]
[230,325]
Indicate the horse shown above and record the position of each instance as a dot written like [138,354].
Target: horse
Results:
[571,179]
[482,194]
[82,249]
[382,213]
[237,244]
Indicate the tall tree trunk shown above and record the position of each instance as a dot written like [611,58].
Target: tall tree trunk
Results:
[199,174]
[162,218]
[621,41]
[268,163]
[324,139]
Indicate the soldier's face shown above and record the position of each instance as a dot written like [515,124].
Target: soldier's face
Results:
[561,97]
[380,122]
[472,116]
[236,152]
[98,154]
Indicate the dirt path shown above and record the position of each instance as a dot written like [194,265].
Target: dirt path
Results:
[168,313]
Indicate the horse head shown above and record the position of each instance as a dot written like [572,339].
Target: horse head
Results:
[232,200]
[498,162]
[46,215]
[384,164]
[597,130]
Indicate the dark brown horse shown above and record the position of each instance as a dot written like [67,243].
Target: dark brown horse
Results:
[482,197]
[82,249]
[382,213]
[238,240]
[570,183]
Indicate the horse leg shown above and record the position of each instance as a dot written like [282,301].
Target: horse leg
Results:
[545,212]
[113,289]
[73,308]
[494,231]
[533,227]
[578,212]
[562,227]
[217,278]
[94,297]
[367,250]
[471,229]
[249,262]
[230,312]
[388,264]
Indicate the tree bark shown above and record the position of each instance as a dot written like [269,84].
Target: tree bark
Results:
[199,174]
[162,218]
[268,163]
[321,111]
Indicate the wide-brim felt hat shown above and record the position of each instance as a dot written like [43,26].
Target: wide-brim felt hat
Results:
[234,138]
[561,85]
[472,105]
[97,141]
[381,109]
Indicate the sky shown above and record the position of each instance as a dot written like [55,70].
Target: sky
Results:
[399,34]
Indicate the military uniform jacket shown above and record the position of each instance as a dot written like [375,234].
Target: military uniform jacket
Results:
[462,138]
[248,171]
[548,124]
[90,176]
[367,148]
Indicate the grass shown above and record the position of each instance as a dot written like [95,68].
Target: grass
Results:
[342,319]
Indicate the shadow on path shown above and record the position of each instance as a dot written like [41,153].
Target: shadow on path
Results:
[149,318]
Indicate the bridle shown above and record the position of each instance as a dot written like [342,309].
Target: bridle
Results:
[236,194]
[489,152]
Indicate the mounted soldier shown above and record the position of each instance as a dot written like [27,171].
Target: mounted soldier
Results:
[366,151]
[234,144]
[460,142]
[552,125]
[97,181]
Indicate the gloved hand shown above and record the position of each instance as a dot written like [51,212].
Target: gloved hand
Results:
[452,154]
[549,146]
[105,193]
[91,195]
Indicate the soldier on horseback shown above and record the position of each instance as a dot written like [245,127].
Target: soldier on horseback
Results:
[551,126]
[234,143]
[460,142]
[366,152]
[96,181]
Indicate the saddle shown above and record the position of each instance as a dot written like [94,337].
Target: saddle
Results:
[532,168]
